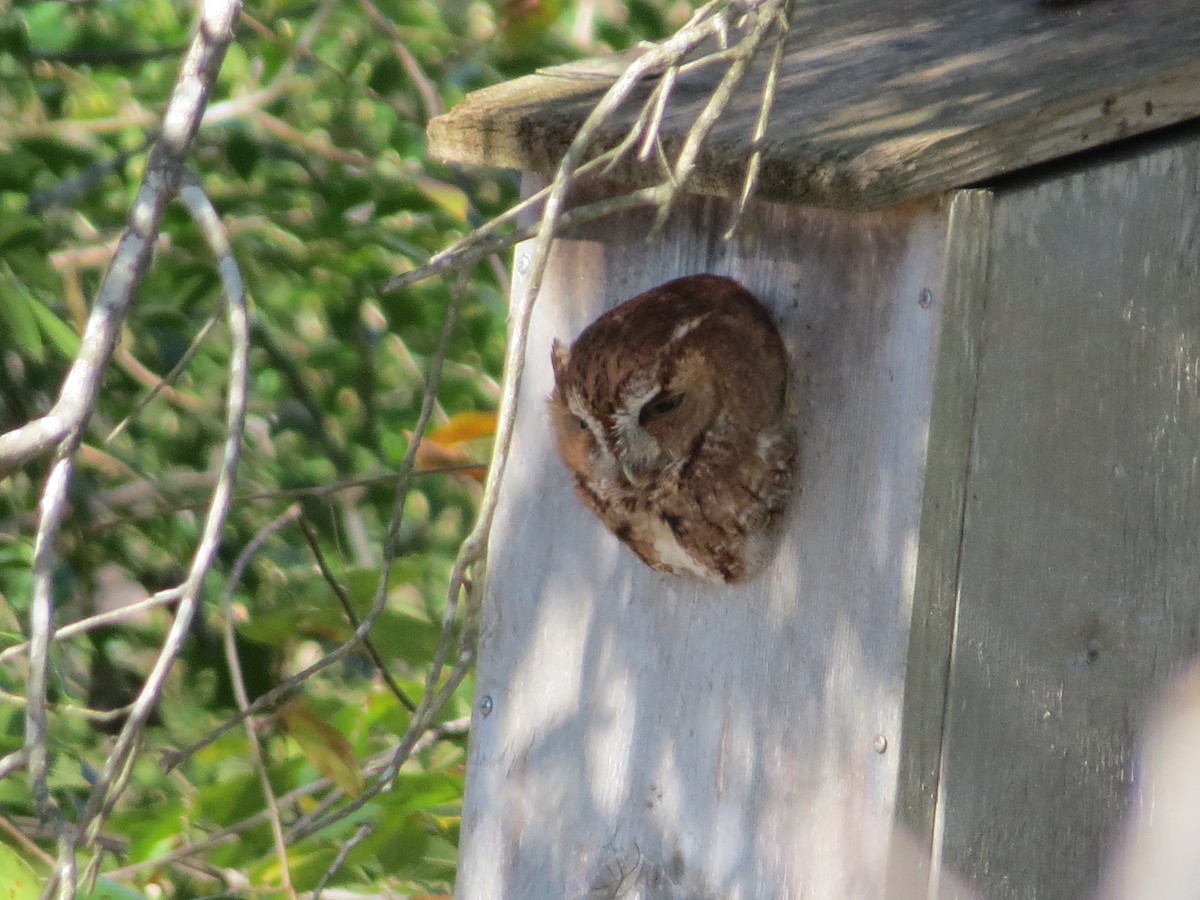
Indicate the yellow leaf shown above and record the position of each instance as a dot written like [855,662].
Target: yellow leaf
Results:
[434,456]
[447,196]
[464,426]
[324,746]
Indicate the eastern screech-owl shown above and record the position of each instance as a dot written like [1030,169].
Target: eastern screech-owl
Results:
[669,412]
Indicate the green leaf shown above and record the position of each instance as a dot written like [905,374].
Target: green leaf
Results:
[49,25]
[21,232]
[59,156]
[17,169]
[14,39]
[18,317]
[18,881]
[387,75]
[58,332]
[243,153]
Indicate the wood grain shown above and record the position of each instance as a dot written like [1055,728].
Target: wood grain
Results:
[648,736]
[1080,589]
[939,540]
[880,103]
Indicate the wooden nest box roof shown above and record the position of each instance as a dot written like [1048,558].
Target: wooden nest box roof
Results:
[878,102]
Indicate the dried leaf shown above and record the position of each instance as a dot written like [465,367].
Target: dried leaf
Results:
[324,746]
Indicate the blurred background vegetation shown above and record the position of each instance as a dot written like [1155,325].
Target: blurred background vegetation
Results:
[313,151]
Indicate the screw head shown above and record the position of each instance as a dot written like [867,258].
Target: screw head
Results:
[926,298]
[523,263]
[880,743]
[485,706]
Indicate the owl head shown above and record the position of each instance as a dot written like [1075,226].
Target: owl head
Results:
[664,406]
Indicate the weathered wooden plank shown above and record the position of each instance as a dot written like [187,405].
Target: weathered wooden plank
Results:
[884,102]
[940,536]
[646,736]
[1080,589]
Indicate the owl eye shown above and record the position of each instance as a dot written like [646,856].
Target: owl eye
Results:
[660,406]
[580,423]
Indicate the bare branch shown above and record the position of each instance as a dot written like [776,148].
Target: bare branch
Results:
[62,428]
[239,688]
[14,762]
[377,764]
[784,24]
[106,618]
[391,549]
[166,381]
[429,94]
[70,188]
[430,704]
[64,424]
[765,14]
[365,830]
[310,537]
[469,251]
[30,848]
[113,778]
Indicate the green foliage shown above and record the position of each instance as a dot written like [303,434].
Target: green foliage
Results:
[313,152]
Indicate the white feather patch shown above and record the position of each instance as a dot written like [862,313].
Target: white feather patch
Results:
[687,326]
[673,555]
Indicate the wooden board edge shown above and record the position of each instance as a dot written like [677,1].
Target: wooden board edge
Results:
[489,127]
[514,125]
[939,539]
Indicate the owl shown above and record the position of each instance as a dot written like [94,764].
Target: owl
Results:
[669,412]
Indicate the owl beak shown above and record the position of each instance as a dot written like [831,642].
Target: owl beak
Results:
[632,471]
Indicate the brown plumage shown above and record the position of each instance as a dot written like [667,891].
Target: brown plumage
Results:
[669,411]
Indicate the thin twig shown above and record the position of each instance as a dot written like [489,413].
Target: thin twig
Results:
[451,729]
[429,95]
[62,428]
[113,778]
[364,831]
[93,715]
[391,547]
[469,253]
[750,182]
[430,704]
[16,761]
[316,490]
[161,598]
[432,699]
[30,848]
[293,374]
[239,688]
[765,15]
[166,381]
[68,189]
[106,56]
[474,547]
[310,536]
[287,493]
[654,122]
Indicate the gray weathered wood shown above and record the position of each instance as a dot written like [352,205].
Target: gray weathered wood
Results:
[1080,577]
[647,736]
[940,536]
[884,102]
